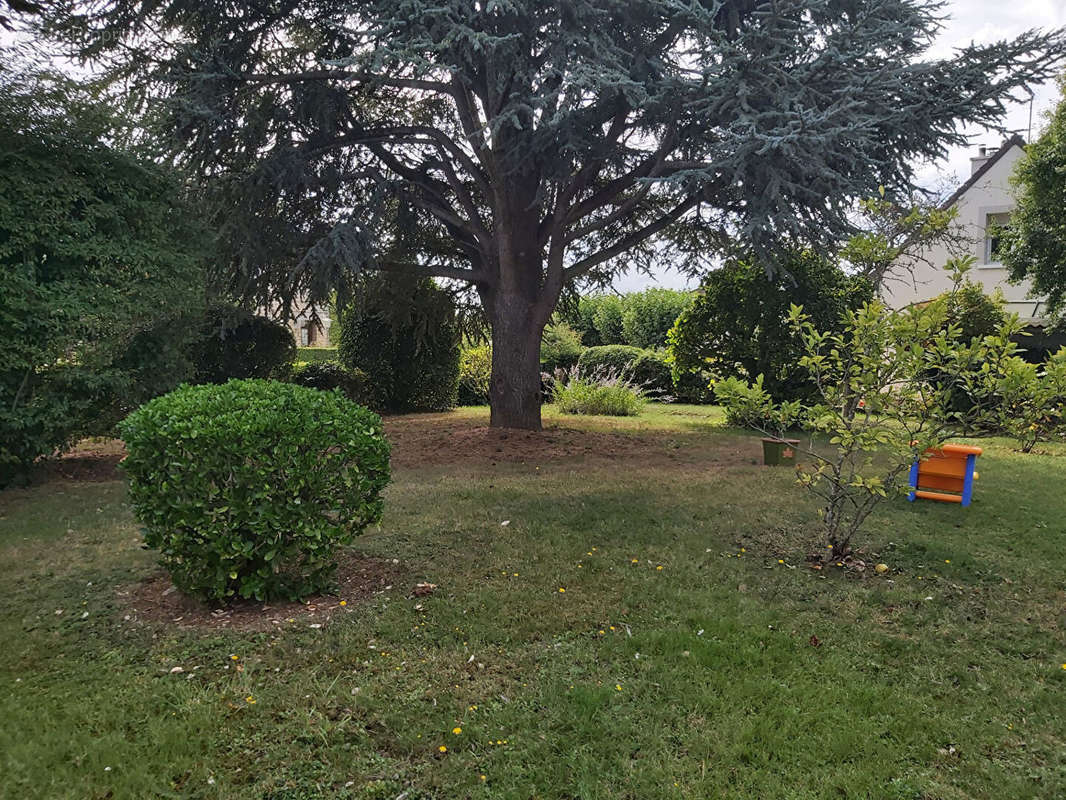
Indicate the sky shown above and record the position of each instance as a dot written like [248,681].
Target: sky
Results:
[980,21]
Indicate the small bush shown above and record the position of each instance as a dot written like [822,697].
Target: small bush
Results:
[403,335]
[329,375]
[560,347]
[249,487]
[475,369]
[652,373]
[618,358]
[235,344]
[603,392]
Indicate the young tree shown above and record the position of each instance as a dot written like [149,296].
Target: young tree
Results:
[521,146]
[1034,245]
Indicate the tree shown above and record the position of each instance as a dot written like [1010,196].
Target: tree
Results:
[1033,246]
[739,325]
[875,411]
[96,248]
[523,147]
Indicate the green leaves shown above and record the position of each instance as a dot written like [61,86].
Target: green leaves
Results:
[273,478]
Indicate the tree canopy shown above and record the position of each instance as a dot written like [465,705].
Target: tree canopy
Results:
[519,146]
[95,247]
[1034,245]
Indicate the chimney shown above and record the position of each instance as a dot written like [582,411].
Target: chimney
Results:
[983,155]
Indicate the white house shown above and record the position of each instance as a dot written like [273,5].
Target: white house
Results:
[984,202]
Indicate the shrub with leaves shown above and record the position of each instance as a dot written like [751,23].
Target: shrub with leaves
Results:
[248,488]
[96,246]
[599,392]
[560,347]
[874,405]
[233,343]
[1024,400]
[403,334]
[651,372]
[617,358]
[750,406]
[475,368]
[329,375]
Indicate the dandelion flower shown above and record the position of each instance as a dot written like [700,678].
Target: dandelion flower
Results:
[618,687]
[442,749]
[562,590]
[234,657]
[780,561]
[250,700]
[659,568]
[484,778]
[947,560]
[344,602]
[634,561]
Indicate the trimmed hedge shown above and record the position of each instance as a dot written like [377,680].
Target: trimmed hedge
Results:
[248,488]
[329,375]
[404,336]
[613,357]
[317,355]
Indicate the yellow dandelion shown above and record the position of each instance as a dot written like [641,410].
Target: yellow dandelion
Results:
[344,602]
[780,561]
[562,590]
[634,561]
[659,568]
[1064,666]
[618,687]
[602,633]
[947,560]
[743,549]
[250,700]
[234,658]
[613,628]
[442,749]
[457,730]
[484,778]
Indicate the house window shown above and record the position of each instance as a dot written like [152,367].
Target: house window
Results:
[994,225]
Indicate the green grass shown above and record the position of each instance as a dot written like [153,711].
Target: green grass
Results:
[943,681]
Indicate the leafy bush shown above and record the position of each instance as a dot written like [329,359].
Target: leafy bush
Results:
[475,370]
[249,487]
[597,318]
[650,371]
[329,375]
[95,247]
[618,358]
[749,406]
[560,347]
[738,325]
[312,354]
[233,343]
[602,392]
[403,334]
[648,316]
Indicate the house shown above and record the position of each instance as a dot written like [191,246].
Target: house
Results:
[305,329]
[984,203]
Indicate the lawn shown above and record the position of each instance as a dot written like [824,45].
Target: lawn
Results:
[622,610]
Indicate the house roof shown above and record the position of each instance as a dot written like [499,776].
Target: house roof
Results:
[984,168]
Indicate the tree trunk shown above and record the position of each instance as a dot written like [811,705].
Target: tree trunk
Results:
[514,389]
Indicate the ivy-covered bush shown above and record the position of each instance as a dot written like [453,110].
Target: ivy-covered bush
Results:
[560,347]
[249,487]
[329,375]
[233,343]
[615,357]
[403,334]
[648,316]
[475,370]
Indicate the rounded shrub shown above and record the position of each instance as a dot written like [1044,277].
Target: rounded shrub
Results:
[235,344]
[616,358]
[652,373]
[329,375]
[403,334]
[249,487]
[475,370]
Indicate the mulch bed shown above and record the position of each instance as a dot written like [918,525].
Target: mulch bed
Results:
[359,577]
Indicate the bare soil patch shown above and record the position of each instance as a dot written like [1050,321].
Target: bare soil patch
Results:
[437,440]
[90,460]
[359,578]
